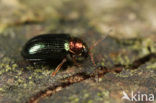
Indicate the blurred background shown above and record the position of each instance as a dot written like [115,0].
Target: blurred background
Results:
[127,18]
[132,39]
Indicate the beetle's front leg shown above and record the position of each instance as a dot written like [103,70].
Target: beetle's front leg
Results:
[75,62]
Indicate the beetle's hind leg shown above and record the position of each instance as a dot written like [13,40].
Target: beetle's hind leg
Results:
[58,67]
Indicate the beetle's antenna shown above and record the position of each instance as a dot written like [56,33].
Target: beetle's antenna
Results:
[58,67]
[95,44]
[100,40]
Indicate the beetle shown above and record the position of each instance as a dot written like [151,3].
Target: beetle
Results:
[59,48]
[55,47]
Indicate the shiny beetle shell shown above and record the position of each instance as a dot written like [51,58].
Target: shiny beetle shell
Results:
[54,47]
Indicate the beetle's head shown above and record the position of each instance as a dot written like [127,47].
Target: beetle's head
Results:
[78,49]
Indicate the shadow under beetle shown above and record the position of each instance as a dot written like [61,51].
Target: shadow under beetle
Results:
[56,47]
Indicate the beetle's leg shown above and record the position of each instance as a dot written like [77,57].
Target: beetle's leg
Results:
[73,58]
[92,58]
[72,51]
[75,62]
[95,44]
[90,54]
[58,67]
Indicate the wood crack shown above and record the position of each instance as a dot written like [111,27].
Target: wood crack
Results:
[100,71]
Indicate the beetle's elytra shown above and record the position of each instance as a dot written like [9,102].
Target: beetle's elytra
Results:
[55,47]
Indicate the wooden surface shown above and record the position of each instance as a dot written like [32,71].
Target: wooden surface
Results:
[126,58]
